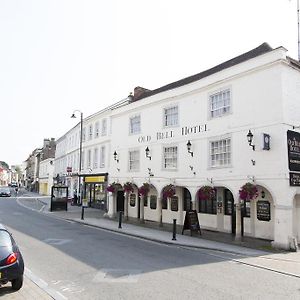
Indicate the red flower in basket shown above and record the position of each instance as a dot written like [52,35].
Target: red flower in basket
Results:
[144,189]
[111,188]
[206,193]
[169,191]
[128,187]
[248,191]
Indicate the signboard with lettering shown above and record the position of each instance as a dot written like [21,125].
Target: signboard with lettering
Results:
[191,222]
[294,179]
[174,203]
[293,143]
[263,210]
[132,198]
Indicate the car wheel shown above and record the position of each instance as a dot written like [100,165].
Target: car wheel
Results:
[16,284]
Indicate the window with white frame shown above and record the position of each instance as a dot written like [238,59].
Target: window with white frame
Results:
[170,158]
[96,129]
[90,131]
[83,134]
[104,127]
[219,103]
[102,157]
[220,153]
[95,165]
[89,158]
[134,160]
[171,116]
[135,125]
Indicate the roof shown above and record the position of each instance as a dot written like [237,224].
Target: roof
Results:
[262,49]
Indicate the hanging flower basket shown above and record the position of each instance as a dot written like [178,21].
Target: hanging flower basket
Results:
[206,192]
[128,187]
[144,189]
[248,191]
[169,191]
[112,187]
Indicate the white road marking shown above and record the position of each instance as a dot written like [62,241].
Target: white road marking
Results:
[57,241]
[118,275]
[43,285]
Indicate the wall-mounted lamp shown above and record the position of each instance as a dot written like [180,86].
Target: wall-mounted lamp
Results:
[150,172]
[116,157]
[189,146]
[263,194]
[148,153]
[250,139]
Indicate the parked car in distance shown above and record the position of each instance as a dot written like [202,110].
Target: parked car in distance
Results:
[11,260]
[4,191]
[14,184]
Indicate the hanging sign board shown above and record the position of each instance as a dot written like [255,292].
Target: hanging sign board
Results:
[293,144]
[294,179]
[191,222]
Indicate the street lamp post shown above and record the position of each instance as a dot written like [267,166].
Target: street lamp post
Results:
[80,151]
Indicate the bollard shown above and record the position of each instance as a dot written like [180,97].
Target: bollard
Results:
[174,230]
[120,219]
[82,212]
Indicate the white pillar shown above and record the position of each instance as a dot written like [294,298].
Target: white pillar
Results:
[111,205]
[142,209]
[283,227]
[159,209]
[238,224]
[126,205]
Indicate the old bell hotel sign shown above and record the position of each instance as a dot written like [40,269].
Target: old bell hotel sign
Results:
[293,144]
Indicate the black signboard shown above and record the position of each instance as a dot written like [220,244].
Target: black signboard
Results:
[59,198]
[132,199]
[263,210]
[294,179]
[174,203]
[293,144]
[191,222]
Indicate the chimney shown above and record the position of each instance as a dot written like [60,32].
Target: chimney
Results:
[138,92]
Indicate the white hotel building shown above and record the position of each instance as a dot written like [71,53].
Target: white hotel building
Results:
[213,111]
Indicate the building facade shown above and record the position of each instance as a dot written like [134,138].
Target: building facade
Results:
[225,129]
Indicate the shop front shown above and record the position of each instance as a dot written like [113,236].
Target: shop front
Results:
[94,190]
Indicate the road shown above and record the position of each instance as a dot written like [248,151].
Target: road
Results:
[74,261]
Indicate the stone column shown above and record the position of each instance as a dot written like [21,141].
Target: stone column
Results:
[159,210]
[111,205]
[142,218]
[126,206]
[238,224]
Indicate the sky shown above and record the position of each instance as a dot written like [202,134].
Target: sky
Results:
[57,56]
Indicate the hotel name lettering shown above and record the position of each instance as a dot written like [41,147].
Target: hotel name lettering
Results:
[184,131]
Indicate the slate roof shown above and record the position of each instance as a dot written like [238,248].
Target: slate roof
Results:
[262,49]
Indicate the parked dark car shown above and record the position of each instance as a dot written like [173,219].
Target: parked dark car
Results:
[5,192]
[11,260]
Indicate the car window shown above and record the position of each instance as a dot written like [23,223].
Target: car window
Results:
[5,239]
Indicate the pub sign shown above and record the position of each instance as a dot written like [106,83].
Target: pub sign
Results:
[293,144]
[294,179]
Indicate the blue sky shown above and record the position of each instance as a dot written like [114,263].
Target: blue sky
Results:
[60,55]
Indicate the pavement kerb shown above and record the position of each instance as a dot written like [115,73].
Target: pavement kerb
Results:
[235,252]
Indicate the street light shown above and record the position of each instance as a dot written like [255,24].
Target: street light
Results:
[80,150]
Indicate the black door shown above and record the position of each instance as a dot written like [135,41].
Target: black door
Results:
[187,200]
[139,207]
[230,209]
[120,201]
